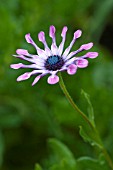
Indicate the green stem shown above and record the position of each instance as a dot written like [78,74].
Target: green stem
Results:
[63,87]
[69,98]
[108,158]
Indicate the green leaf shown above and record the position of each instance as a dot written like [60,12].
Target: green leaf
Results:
[90,108]
[63,165]
[64,156]
[55,167]
[37,167]
[61,149]
[84,135]
[88,138]
[87,163]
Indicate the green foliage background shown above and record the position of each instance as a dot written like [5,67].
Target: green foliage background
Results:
[30,116]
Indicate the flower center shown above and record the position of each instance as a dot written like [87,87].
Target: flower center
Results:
[54,63]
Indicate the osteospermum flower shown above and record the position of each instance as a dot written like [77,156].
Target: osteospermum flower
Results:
[53,60]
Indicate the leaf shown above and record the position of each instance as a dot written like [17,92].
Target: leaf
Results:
[61,150]
[91,139]
[84,135]
[37,167]
[90,108]
[87,163]
[63,165]
[64,156]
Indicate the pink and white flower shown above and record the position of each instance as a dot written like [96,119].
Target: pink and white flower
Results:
[54,59]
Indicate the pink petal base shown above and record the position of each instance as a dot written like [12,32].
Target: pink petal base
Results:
[72,69]
[53,79]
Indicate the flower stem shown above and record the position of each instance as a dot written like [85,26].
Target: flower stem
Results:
[108,158]
[63,87]
[69,98]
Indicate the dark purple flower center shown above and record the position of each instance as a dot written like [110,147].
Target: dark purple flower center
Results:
[54,63]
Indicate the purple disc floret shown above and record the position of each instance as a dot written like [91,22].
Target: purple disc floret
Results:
[54,59]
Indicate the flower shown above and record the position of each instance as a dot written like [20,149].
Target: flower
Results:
[52,60]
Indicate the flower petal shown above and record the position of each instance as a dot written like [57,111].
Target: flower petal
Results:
[77,34]
[86,46]
[53,79]
[82,48]
[64,30]
[32,60]
[42,54]
[72,69]
[29,40]
[21,65]
[16,66]
[36,80]
[41,37]
[27,75]
[61,46]
[52,31]
[70,61]
[22,52]
[54,48]
[82,63]
[24,76]
[92,54]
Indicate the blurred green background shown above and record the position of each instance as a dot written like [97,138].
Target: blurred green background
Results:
[29,116]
